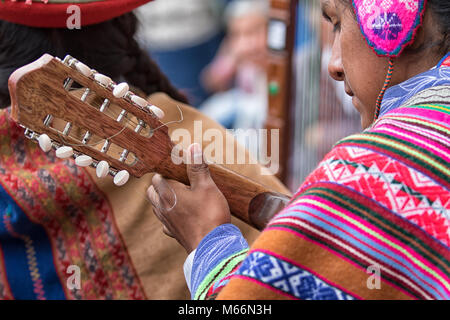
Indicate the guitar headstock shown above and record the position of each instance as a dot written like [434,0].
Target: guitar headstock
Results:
[83,114]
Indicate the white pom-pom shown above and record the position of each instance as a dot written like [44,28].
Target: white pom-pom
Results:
[141,102]
[102,169]
[45,142]
[84,69]
[64,152]
[83,161]
[120,90]
[121,178]
[102,79]
[157,111]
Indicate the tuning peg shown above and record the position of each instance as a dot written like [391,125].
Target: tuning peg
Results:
[120,90]
[84,69]
[121,178]
[64,152]
[102,169]
[83,161]
[102,79]
[141,102]
[45,142]
[157,111]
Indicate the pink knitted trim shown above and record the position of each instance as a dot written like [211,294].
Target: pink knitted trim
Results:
[389,25]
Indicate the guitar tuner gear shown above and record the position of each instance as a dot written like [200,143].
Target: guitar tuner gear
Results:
[105,105]
[67,129]
[67,59]
[29,134]
[68,84]
[106,146]
[122,115]
[86,138]
[124,155]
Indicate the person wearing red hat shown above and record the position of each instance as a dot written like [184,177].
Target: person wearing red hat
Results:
[64,233]
[53,13]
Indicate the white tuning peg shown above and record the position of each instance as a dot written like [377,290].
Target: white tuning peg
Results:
[45,142]
[121,178]
[120,90]
[157,111]
[141,102]
[102,79]
[84,69]
[64,152]
[83,161]
[102,169]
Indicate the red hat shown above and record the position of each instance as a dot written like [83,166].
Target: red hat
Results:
[54,13]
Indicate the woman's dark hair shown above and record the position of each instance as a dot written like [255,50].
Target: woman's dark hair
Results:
[441,12]
[108,47]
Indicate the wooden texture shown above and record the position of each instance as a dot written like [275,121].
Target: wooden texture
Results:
[279,72]
[37,90]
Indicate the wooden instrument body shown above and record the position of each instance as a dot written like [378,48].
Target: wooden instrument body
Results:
[37,91]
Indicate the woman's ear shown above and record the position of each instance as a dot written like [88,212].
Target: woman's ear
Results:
[425,48]
[427,37]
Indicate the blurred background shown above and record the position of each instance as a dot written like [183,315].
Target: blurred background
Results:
[255,64]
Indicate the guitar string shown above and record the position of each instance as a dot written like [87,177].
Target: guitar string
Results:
[152,131]
[125,125]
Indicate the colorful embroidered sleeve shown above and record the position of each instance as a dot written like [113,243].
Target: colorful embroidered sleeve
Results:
[371,222]
[217,256]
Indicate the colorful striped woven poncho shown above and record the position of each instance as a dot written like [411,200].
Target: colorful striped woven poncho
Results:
[371,222]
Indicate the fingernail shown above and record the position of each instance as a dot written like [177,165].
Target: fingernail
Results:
[197,153]
[152,194]
[156,178]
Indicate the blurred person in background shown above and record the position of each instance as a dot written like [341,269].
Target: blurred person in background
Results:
[237,74]
[183,37]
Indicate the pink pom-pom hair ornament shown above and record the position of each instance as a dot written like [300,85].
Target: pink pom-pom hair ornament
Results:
[389,26]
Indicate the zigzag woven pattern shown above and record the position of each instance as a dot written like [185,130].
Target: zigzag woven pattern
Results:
[379,200]
[31,258]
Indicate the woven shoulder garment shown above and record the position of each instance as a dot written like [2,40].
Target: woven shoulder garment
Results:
[371,222]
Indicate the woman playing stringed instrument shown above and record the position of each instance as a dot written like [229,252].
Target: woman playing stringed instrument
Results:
[372,221]
[55,216]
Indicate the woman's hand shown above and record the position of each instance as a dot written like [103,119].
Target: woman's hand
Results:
[199,208]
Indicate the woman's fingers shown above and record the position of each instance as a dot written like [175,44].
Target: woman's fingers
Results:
[167,232]
[197,168]
[165,193]
[154,199]
[153,196]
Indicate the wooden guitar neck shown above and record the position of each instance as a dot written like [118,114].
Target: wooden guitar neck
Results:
[124,124]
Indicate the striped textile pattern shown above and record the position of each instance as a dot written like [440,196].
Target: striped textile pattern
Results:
[371,222]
